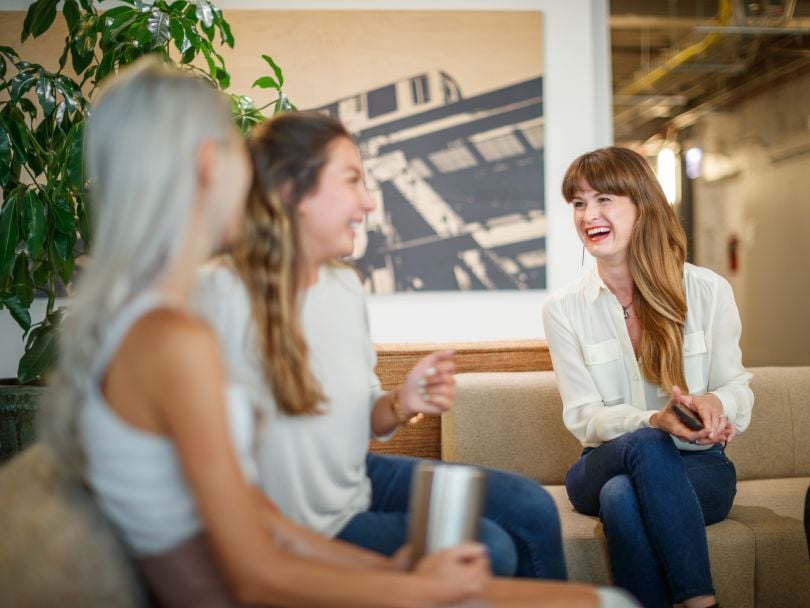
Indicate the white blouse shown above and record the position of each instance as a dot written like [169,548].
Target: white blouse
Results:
[601,384]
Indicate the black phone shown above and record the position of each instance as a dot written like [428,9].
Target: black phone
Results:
[687,417]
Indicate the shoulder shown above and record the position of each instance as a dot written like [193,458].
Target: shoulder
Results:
[340,275]
[565,297]
[171,337]
[700,281]
[218,277]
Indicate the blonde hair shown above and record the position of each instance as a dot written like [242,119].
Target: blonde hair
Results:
[288,154]
[142,134]
[656,256]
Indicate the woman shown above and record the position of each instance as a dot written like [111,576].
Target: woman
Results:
[293,326]
[641,334]
[144,411]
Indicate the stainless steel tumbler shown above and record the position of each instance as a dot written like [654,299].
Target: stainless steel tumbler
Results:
[447,501]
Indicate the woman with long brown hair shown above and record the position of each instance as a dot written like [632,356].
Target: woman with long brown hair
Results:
[641,340]
[293,324]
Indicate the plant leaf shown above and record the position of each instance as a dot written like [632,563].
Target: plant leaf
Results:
[158,26]
[41,349]
[39,18]
[74,168]
[21,284]
[45,93]
[18,309]
[181,41]
[205,13]
[35,223]
[70,10]
[276,70]
[62,213]
[5,155]
[9,234]
[266,82]
[21,84]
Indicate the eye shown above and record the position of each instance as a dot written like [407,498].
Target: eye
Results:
[604,199]
[578,204]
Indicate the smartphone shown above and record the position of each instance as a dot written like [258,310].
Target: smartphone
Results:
[687,417]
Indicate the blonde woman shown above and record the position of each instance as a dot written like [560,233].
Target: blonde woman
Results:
[144,412]
[640,336]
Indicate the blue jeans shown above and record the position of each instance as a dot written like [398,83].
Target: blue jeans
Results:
[520,527]
[655,502]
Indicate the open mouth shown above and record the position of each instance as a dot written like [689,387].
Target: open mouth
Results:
[597,233]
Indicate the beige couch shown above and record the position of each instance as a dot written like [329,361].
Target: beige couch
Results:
[513,421]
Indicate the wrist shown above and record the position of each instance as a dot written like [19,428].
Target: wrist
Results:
[397,409]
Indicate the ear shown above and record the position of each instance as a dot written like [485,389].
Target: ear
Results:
[206,161]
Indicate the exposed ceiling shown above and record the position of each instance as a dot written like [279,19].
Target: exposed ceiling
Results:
[675,60]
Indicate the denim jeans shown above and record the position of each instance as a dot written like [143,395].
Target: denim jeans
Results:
[655,502]
[520,528]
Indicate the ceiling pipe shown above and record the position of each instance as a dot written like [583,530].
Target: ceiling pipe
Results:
[724,11]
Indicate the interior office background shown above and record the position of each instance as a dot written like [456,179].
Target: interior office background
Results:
[739,113]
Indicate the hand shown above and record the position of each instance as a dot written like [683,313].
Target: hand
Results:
[459,573]
[666,420]
[710,410]
[401,560]
[430,387]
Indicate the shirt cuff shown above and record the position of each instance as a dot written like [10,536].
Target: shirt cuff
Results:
[729,403]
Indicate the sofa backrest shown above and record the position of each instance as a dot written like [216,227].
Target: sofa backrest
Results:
[513,421]
[56,548]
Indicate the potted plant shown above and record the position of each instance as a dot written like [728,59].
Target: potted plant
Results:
[44,219]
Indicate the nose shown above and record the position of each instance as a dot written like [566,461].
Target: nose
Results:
[592,211]
[367,201]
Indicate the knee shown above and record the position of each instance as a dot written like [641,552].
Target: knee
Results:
[617,499]
[503,555]
[652,442]
[524,497]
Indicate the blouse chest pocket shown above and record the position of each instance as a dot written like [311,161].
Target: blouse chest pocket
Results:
[602,359]
[694,362]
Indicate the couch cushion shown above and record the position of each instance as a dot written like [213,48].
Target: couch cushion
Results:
[775,444]
[57,549]
[773,509]
[512,421]
[731,552]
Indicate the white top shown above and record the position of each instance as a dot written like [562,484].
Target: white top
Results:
[602,387]
[313,467]
[136,475]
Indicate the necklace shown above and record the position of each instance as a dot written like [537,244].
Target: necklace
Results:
[626,310]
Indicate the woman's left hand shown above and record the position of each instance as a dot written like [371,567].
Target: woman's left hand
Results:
[430,387]
[710,411]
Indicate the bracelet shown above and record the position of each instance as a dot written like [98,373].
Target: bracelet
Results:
[396,409]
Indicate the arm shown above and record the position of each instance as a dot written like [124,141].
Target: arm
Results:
[429,388]
[188,394]
[584,411]
[304,542]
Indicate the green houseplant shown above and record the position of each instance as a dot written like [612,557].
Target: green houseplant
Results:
[45,227]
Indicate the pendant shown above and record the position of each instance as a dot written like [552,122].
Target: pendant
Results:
[626,312]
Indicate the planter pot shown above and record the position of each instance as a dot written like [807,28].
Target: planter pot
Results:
[18,408]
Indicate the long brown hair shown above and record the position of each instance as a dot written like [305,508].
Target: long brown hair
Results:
[656,256]
[289,151]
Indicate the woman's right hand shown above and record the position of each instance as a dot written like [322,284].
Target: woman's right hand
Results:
[459,573]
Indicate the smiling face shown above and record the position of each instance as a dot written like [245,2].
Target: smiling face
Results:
[331,214]
[604,222]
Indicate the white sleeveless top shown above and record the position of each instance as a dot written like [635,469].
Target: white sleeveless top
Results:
[136,475]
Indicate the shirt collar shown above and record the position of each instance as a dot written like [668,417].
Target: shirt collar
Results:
[593,285]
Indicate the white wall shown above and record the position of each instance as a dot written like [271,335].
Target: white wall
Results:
[577,105]
[577,109]
[755,187]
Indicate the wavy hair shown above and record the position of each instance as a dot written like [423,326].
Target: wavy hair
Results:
[140,142]
[289,151]
[656,256]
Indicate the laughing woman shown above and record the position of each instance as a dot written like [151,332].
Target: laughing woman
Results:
[293,325]
[639,336]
